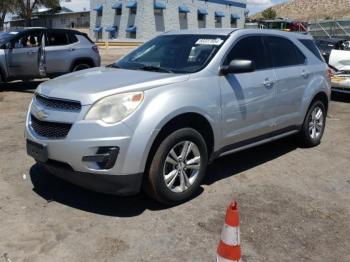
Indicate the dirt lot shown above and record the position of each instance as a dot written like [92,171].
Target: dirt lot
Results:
[294,203]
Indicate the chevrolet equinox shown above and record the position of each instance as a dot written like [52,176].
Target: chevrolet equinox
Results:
[156,117]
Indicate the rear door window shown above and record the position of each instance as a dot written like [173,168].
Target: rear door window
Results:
[283,52]
[249,48]
[57,38]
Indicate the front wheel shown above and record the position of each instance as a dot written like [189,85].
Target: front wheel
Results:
[79,67]
[314,125]
[178,167]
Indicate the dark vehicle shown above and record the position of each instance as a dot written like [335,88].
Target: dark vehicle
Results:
[327,45]
[39,52]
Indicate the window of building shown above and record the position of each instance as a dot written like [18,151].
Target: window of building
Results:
[233,23]
[118,11]
[158,11]
[283,52]
[249,48]
[133,11]
[201,17]
[218,21]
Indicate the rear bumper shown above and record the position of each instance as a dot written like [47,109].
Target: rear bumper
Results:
[345,90]
[342,86]
[116,185]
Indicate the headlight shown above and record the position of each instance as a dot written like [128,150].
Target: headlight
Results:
[114,108]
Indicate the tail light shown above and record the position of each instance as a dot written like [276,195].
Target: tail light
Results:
[95,48]
[329,73]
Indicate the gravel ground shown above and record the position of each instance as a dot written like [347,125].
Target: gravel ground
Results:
[111,54]
[293,202]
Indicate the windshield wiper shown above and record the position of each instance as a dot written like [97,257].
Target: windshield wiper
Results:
[154,68]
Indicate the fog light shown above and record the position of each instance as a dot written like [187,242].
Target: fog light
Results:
[105,157]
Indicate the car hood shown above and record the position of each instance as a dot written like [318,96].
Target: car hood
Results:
[88,86]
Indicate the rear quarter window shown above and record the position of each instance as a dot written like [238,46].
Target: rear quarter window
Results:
[72,38]
[310,44]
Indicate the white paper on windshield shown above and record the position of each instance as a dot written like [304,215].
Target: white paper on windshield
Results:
[216,41]
[13,33]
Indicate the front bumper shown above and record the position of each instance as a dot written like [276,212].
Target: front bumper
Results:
[79,153]
[107,184]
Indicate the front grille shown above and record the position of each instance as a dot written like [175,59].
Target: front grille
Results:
[58,103]
[50,129]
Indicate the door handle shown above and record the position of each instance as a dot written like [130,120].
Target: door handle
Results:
[30,52]
[72,49]
[268,83]
[305,74]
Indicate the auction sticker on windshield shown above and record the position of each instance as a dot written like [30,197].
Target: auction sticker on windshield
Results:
[216,41]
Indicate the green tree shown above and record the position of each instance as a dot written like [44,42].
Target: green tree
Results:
[25,8]
[269,13]
[6,6]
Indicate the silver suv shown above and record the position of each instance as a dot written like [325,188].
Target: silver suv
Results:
[156,117]
[38,52]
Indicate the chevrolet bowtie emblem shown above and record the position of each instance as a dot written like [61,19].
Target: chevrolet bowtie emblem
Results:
[40,113]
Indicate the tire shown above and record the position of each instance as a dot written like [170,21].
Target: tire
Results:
[314,125]
[166,178]
[80,66]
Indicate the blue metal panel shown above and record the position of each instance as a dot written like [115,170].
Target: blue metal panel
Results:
[159,5]
[226,2]
[131,29]
[184,9]
[98,8]
[117,5]
[131,4]
[219,14]
[202,11]
[98,29]
[111,29]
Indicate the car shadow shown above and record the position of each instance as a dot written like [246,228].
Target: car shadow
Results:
[340,97]
[19,86]
[52,188]
[236,163]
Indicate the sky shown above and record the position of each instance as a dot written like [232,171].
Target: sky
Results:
[254,6]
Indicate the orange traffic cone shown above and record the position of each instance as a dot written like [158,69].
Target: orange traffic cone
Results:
[229,248]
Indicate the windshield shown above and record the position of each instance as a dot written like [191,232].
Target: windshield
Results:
[173,54]
[6,36]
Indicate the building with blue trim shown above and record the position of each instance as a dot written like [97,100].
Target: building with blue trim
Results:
[144,19]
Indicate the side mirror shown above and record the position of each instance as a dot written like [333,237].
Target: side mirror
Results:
[238,66]
[8,45]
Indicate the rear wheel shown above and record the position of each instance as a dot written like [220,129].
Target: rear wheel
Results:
[178,167]
[314,125]
[80,66]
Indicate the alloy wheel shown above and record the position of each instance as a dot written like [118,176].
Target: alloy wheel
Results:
[316,123]
[182,166]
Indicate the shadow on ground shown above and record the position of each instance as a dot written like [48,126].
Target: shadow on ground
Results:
[19,86]
[242,161]
[52,188]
